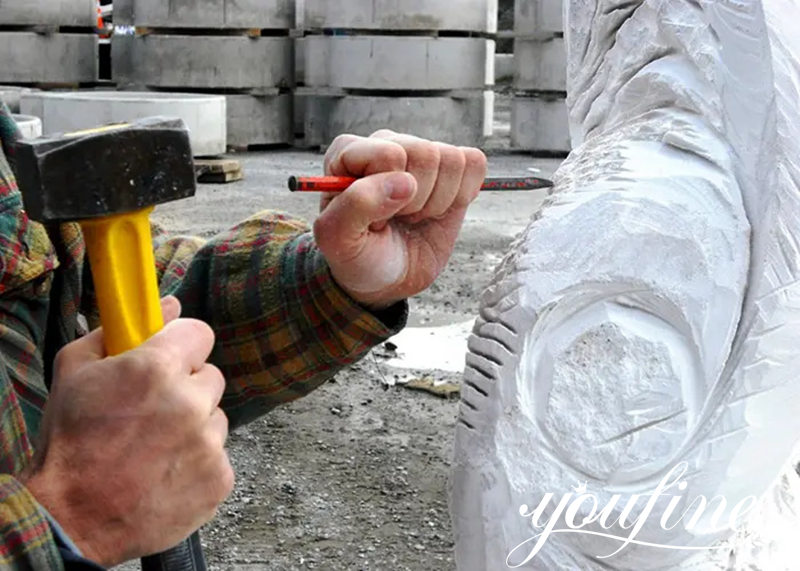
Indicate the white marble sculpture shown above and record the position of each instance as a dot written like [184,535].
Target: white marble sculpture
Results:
[646,325]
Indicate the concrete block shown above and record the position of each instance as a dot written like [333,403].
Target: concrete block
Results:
[230,62]
[461,121]
[540,124]
[503,68]
[27,57]
[538,18]
[468,15]
[399,62]
[540,65]
[63,112]
[299,60]
[241,14]
[299,112]
[260,120]
[11,94]
[48,13]
[29,126]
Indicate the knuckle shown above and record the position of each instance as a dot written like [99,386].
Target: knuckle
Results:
[60,363]
[427,155]
[451,157]
[323,228]
[383,134]
[185,406]
[200,329]
[475,159]
[224,479]
[336,149]
[154,366]
[392,155]
[217,378]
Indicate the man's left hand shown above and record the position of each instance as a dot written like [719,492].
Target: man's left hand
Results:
[391,233]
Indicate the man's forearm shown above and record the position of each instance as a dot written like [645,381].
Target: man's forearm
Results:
[283,325]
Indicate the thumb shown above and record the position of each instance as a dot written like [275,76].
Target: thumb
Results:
[343,224]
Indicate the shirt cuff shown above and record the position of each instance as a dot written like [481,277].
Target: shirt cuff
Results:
[72,556]
[325,302]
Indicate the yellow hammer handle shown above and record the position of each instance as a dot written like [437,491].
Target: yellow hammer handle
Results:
[120,252]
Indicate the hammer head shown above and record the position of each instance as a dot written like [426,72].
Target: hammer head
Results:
[105,171]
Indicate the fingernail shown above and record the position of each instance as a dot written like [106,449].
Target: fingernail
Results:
[398,187]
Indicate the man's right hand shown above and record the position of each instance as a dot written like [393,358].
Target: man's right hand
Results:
[132,459]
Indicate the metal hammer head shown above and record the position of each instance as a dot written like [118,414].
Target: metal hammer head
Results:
[105,171]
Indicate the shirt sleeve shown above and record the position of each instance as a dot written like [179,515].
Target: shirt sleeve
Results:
[27,539]
[283,326]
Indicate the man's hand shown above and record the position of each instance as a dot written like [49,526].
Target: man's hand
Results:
[390,234]
[133,460]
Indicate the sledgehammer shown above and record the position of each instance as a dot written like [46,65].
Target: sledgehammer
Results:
[109,179]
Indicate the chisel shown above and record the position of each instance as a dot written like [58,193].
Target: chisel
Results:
[341,183]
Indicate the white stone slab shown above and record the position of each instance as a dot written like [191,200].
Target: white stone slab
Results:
[399,62]
[468,15]
[27,57]
[259,120]
[11,94]
[241,14]
[29,126]
[463,121]
[230,62]
[540,65]
[48,13]
[540,124]
[65,112]
[538,18]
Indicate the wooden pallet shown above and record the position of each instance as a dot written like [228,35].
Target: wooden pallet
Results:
[218,171]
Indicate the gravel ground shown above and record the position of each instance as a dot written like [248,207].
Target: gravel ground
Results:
[354,476]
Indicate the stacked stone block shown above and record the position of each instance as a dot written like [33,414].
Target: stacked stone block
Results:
[48,42]
[539,120]
[64,112]
[241,49]
[420,66]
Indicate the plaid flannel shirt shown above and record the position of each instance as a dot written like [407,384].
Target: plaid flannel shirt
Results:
[283,327]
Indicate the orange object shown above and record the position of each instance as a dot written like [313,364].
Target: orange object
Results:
[341,183]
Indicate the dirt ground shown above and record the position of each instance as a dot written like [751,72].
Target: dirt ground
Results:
[354,476]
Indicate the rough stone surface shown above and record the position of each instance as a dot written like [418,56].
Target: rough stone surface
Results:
[48,13]
[11,94]
[540,124]
[229,62]
[540,65]
[647,320]
[470,15]
[399,63]
[458,121]
[27,57]
[204,115]
[538,18]
[241,14]
[29,126]
[259,120]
